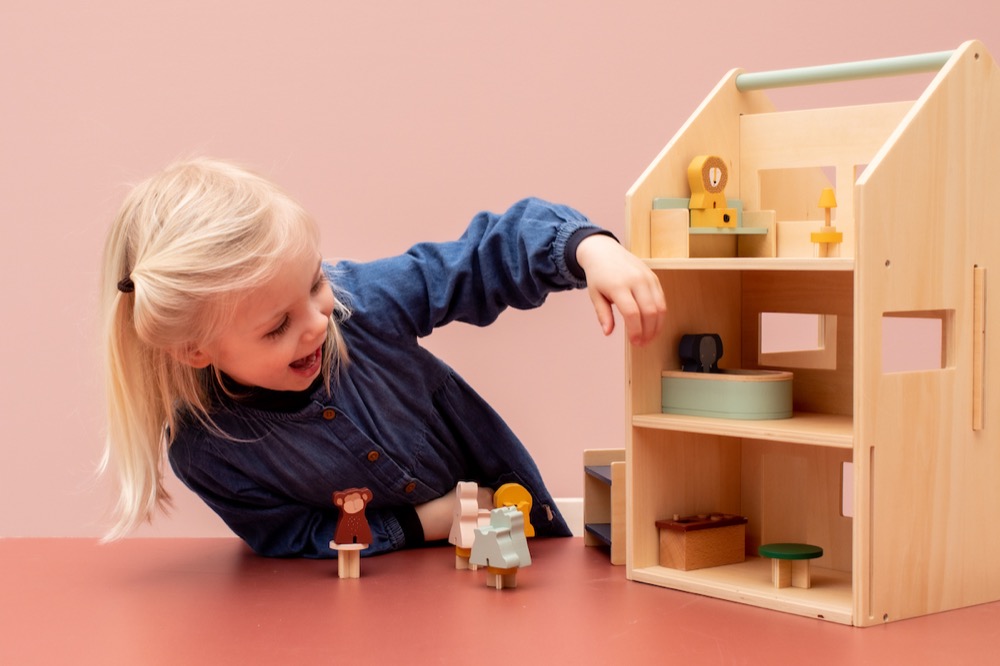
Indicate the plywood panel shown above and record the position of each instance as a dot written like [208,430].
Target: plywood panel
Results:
[676,473]
[793,493]
[823,391]
[924,223]
[841,138]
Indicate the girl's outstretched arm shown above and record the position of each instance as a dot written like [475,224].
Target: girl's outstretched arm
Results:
[515,259]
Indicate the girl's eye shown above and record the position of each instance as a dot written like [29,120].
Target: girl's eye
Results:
[320,281]
[282,327]
[286,322]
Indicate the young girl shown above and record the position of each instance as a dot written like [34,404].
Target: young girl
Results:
[272,379]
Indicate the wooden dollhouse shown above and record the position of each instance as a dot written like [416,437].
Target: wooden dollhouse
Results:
[895,474]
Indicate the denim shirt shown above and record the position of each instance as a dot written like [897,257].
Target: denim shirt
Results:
[398,420]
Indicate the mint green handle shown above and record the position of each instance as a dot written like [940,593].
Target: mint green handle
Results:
[847,71]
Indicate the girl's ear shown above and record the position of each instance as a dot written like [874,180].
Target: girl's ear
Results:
[193,356]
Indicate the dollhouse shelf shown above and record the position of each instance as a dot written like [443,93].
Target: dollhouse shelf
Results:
[803,428]
[892,473]
[740,264]
[739,231]
[749,582]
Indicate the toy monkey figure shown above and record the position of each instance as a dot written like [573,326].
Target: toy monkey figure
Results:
[352,526]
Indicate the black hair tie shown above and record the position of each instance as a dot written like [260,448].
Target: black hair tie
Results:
[126,286]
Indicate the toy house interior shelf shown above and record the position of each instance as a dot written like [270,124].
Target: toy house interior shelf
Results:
[739,263]
[892,473]
[831,430]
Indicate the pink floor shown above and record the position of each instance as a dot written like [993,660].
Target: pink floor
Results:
[209,601]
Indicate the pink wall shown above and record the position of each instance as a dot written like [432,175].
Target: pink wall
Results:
[391,127]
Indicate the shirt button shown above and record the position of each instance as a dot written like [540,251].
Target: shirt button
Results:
[372,456]
[329,414]
[410,487]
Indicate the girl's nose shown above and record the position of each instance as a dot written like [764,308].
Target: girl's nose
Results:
[318,323]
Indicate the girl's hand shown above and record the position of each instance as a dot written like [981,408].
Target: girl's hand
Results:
[617,277]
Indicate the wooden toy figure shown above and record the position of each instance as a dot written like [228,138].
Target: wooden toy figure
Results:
[707,176]
[353,533]
[515,495]
[700,352]
[501,547]
[467,519]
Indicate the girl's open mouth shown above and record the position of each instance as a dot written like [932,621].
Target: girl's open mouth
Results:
[308,364]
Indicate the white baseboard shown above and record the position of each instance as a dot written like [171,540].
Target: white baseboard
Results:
[572,510]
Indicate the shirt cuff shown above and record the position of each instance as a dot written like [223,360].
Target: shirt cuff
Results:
[573,242]
[413,531]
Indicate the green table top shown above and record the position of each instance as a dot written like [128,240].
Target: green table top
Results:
[790,551]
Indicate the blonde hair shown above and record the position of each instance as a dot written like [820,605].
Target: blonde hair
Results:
[186,245]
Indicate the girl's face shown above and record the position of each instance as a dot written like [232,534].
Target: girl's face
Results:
[276,338]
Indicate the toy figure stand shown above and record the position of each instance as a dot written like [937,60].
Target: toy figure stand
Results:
[348,558]
[501,578]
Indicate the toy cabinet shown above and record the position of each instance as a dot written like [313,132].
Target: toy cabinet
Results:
[604,501]
[894,472]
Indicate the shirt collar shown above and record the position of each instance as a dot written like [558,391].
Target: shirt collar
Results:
[266,399]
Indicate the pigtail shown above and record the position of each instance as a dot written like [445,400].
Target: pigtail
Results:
[136,420]
[137,411]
